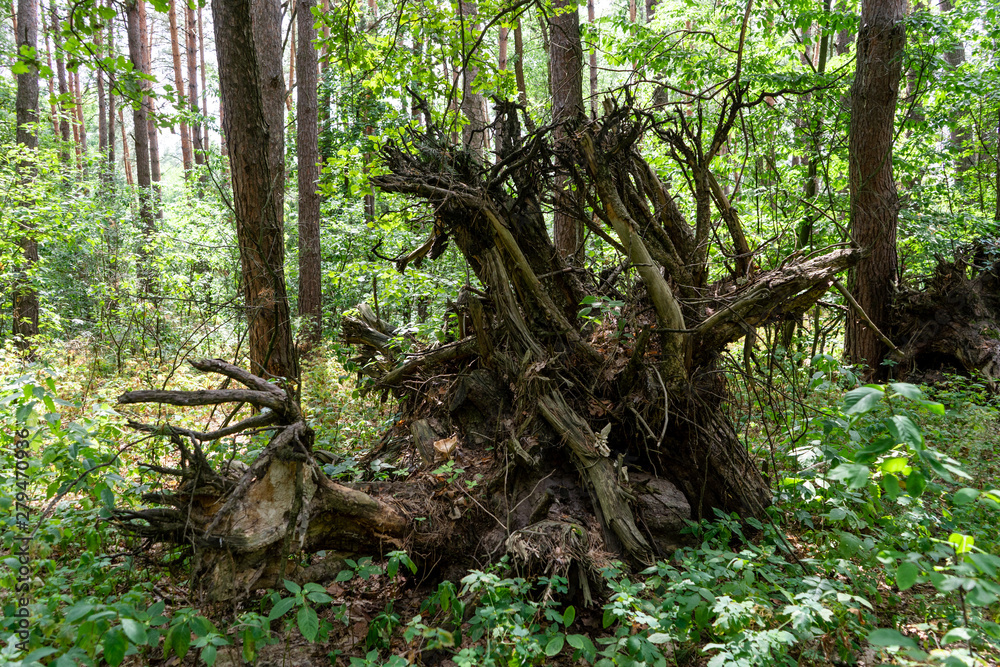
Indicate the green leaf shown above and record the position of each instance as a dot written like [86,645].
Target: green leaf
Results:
[988,564]
[20,68]
[880,446]
[555,645]
[855,474]
[891,485]
[180,640]
[906,575]
[964,496]
[308,623]
[208,655]
[114,647]
[916,483]
[659,638]
[135,631]
[281,608]
[896,464]
[292,587]
[568,616]
[903,429]
[956,635]
[907,390]
[962,543]
[861,400]
[887,637]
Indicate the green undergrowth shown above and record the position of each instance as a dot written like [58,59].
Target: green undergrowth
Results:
[881,547]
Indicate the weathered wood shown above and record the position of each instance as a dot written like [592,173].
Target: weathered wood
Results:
[260,399]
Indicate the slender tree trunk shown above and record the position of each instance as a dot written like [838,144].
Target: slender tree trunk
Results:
[204,87]
[267,45]
[874,201]
[291,67]
[473,103]
[75,121]
[26,309]
[190,43]
[146,34]
[325,145]
[140,131]
[307,128]
[64,131]
[175,48]
[566,68]
[591,18]
[102,115]
[126,158]
[51,82]
[522,89]
[258,223]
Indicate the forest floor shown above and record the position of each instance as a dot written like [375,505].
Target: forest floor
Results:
[823,581]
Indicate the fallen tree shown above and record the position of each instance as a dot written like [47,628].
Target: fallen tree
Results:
[581,437]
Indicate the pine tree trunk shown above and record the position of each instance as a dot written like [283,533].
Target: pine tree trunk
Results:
[51,81]
[204,88]
[874,202]
[591,18]
[25,296]
[64,129]
[110,157]
[140,130]
[267,44]
[190,36]
[258,223]
[307,140]
[566,68]
[102,115]
[175,49]
[126,157]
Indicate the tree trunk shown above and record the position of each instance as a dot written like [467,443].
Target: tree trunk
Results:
[291,66]
[152,131]
[26,108]
[591,18]
[522,89]
[473,103]
[175,48]
[258,223]
[140,131]
[307,140]
[102,116]
[874,202]
[267,43]
[76,111]
[52,85]
[110,157]
[566,70]
[206,144]
[64,130]
[190,35]
[126,159]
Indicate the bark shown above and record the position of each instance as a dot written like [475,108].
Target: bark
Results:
[258,223]
[109,168]
[25,296]
[75,109]
[267,43]
[126,159]
[591,17]
[152,131]
[64,129]
[473,103]
[52,85]
[291,67]
[140,132]
[307,126]
[175,49]
[874,201]
[522,90]
[206,144]
[102,117]
[191,55]
[566,84]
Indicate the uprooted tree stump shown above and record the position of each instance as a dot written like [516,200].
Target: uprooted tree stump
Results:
[574,439]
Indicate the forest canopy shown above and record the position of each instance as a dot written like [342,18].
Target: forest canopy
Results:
[479,332]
